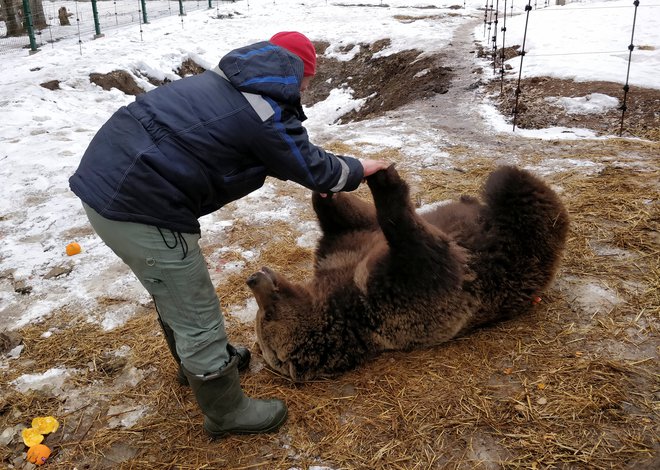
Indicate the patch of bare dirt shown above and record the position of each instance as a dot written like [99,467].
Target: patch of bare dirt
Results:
[507,53]
[51,85]
[536,111]
[391,82]
[189,67]
[119,79]
[386,83]
[124,81]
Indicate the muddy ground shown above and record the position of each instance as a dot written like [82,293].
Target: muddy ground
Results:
[573,386]
[395,81]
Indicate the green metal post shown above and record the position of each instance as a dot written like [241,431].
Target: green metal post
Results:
[210,4]
[97,24]
[181,12]
[144,11]
[29,26]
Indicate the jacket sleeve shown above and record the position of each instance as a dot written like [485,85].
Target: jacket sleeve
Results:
[284,148]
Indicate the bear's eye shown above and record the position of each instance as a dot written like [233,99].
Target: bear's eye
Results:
[269,315]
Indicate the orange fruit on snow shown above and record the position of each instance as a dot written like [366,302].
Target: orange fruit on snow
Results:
[72,249]
[38,454]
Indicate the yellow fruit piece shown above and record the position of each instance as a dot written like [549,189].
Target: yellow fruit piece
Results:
[32,437]
[45,425]
[38,454]
[72,249]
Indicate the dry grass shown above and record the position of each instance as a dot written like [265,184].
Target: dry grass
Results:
[278,250]
[568,387]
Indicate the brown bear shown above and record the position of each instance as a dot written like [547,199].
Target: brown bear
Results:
[389,278]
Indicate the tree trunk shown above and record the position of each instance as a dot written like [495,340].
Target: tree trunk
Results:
[12,12]
[64,16]
[38,15]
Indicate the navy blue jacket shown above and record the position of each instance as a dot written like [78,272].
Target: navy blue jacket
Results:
[187,148]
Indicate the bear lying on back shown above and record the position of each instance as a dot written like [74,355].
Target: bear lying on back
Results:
[388,278]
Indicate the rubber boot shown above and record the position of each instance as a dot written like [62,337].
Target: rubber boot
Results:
[227,410]
[242,353]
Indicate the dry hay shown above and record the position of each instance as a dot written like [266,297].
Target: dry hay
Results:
[562,388]
[283,254]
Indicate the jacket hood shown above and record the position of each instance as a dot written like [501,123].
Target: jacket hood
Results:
[265,69]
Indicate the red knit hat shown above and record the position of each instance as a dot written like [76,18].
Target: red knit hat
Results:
[301,46]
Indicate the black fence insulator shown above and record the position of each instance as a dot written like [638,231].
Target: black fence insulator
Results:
[626,88]
[528,8]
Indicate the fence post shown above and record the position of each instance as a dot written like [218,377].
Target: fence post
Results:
[97,24]
[528,8]
[144,12]
[181,11]
[497,9]
[626,88]
[210,4]
[29,26]
[503,55]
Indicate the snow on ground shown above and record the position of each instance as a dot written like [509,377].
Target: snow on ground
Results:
[587,41]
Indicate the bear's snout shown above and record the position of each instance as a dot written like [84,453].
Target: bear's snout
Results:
[263,279]
[252,280]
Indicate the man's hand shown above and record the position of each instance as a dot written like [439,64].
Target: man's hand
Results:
[369,167]
[372,166]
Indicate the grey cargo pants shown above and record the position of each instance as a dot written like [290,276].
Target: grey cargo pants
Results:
[170,265]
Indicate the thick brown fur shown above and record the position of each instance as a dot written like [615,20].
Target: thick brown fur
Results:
[388,278]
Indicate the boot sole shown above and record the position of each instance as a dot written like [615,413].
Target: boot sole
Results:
[272,428]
